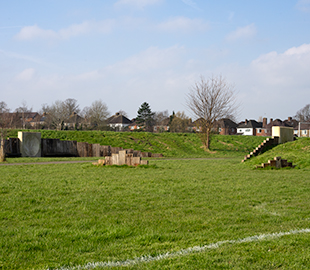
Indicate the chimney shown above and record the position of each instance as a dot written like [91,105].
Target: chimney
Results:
[264,122]
[271,120]
[289,119]
[246,121]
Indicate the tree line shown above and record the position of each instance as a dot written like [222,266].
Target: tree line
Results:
[209,100]
[60,113]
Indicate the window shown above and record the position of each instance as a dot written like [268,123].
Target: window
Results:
[220,129]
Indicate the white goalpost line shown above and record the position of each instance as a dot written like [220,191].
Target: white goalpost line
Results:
[182,252]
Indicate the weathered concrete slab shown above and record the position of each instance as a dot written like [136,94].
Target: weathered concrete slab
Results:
[96,150]
[144,162]
[105,150]
[83,149]
[115,150]
[122,157]
[30,144]
[115,159]
[12,148]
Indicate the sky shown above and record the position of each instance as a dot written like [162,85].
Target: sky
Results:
[126,52]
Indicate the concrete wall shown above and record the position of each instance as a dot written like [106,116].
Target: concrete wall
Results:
[30,144]
[33,146]
[285,134]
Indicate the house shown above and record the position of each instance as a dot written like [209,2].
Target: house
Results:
[162,126]
[266,129]
[134,125]
[73,121]
[118,122]
[249,127]
[302,129]
[225,126]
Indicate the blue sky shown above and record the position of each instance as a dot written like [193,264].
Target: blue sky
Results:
[125,52]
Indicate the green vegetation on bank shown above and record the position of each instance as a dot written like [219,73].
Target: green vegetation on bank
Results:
[297,152]
[169,144]
[72,214]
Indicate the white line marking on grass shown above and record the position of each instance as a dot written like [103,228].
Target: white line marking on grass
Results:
[182,252]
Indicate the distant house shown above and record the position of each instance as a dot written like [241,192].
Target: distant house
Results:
[249,127]
[118,122]
[73,121]
[162,126]
[302,130]
[266,129]
[225,126]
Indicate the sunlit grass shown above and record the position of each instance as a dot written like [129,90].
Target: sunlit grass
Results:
[71,214]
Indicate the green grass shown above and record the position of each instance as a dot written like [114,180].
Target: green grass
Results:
[168,144]
[297,152]
[72,214]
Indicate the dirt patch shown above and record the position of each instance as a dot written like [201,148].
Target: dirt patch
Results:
[229,144]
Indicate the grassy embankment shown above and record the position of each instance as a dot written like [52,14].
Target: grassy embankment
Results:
[72,214]
[297,152]
[169,144]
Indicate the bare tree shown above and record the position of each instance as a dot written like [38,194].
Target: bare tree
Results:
[4,115]
[70,106]
[303,115]
[56,114]
[2,144]
[210,100]
[96,114]
[159,117]
[180,122]
[123,113]
[23,112]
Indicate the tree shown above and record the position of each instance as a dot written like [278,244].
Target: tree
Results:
[210,100]
[96,114]
[145,117]
[2,144]
[303,115]
[23,112]
[123,113]
[70,106]
[55,114]
[4,115]
[180,122]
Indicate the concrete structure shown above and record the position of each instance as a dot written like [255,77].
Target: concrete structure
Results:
[277,162]
[58,148]
[30,144]
[285,134]
[124,157]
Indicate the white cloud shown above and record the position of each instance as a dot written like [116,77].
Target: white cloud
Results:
[35,32]
[136,3]
[275,84]
[25,75]
[150,75]
[242,33]
[303,5]
[183,24]
[191,3]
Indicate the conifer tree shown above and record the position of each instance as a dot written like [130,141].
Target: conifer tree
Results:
[145,117]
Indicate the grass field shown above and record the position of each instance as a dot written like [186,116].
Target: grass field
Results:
[168,144]
[67,215]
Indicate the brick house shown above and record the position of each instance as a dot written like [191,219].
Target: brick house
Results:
[225,126]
